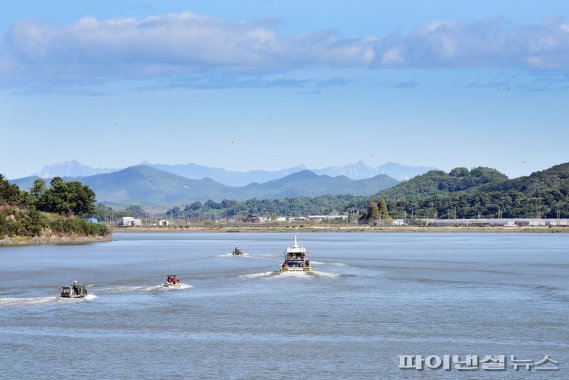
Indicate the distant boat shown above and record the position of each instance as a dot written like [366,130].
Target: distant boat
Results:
[172,282]
[76,290]
[237,251]
[296,259]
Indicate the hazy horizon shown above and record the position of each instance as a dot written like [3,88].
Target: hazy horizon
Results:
[300,166]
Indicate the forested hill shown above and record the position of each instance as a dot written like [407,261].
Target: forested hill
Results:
[461,193]
[554,178]
[437,182]
[482,192]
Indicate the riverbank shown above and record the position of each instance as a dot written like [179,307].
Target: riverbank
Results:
[342,228]
[54,240]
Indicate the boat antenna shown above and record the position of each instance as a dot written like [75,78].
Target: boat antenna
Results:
[295,243]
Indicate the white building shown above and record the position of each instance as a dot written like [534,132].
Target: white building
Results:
[320,218]
[128,221]
[163,222]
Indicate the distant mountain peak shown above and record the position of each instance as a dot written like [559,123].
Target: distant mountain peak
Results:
[298,176]
[70,168]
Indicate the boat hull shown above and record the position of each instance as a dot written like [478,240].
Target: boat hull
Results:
[76,290]
[171,285]
[296,269]
[62,295]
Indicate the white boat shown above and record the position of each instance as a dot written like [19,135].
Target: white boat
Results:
[76,290]
[172,282]
[296,259]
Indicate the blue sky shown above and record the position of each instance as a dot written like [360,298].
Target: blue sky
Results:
[270,84]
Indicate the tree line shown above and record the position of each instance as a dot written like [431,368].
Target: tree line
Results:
[25,213]
[461,193]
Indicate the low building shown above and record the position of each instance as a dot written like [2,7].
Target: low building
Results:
[327,218]
[557,222]
[128,221]
[93,220]
[252,219]
[163,222]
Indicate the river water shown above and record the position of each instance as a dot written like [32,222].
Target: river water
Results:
[371,298]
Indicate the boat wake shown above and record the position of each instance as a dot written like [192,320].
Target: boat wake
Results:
[307,275]
[231,255]
[27,301]
[42,300]
[325,274]
[332,264]
[153,288]
[134,289]
[259,275]
[183,286]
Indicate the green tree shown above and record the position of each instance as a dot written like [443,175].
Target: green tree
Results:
[67,198]
[102,212]
[372,212]
[135,211]
[10,194]
[459,172]
[383,212]
[37,191]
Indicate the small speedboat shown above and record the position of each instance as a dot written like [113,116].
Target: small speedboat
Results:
[296,259]
[237,251]
[76,290]
[172,282]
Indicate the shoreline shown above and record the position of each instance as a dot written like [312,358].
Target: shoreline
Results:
[17,241]
[346,229]
[20,241]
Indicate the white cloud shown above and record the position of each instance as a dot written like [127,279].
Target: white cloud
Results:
[185,43]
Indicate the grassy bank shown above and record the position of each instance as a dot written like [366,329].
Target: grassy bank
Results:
[54,239]
[33,227]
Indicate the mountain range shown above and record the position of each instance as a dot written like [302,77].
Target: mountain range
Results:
[359,170]
[146,185]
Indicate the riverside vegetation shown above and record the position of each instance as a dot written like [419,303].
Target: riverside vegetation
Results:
[46,215]
[461,193]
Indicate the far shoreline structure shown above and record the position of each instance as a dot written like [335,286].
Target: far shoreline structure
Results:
[343,229]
